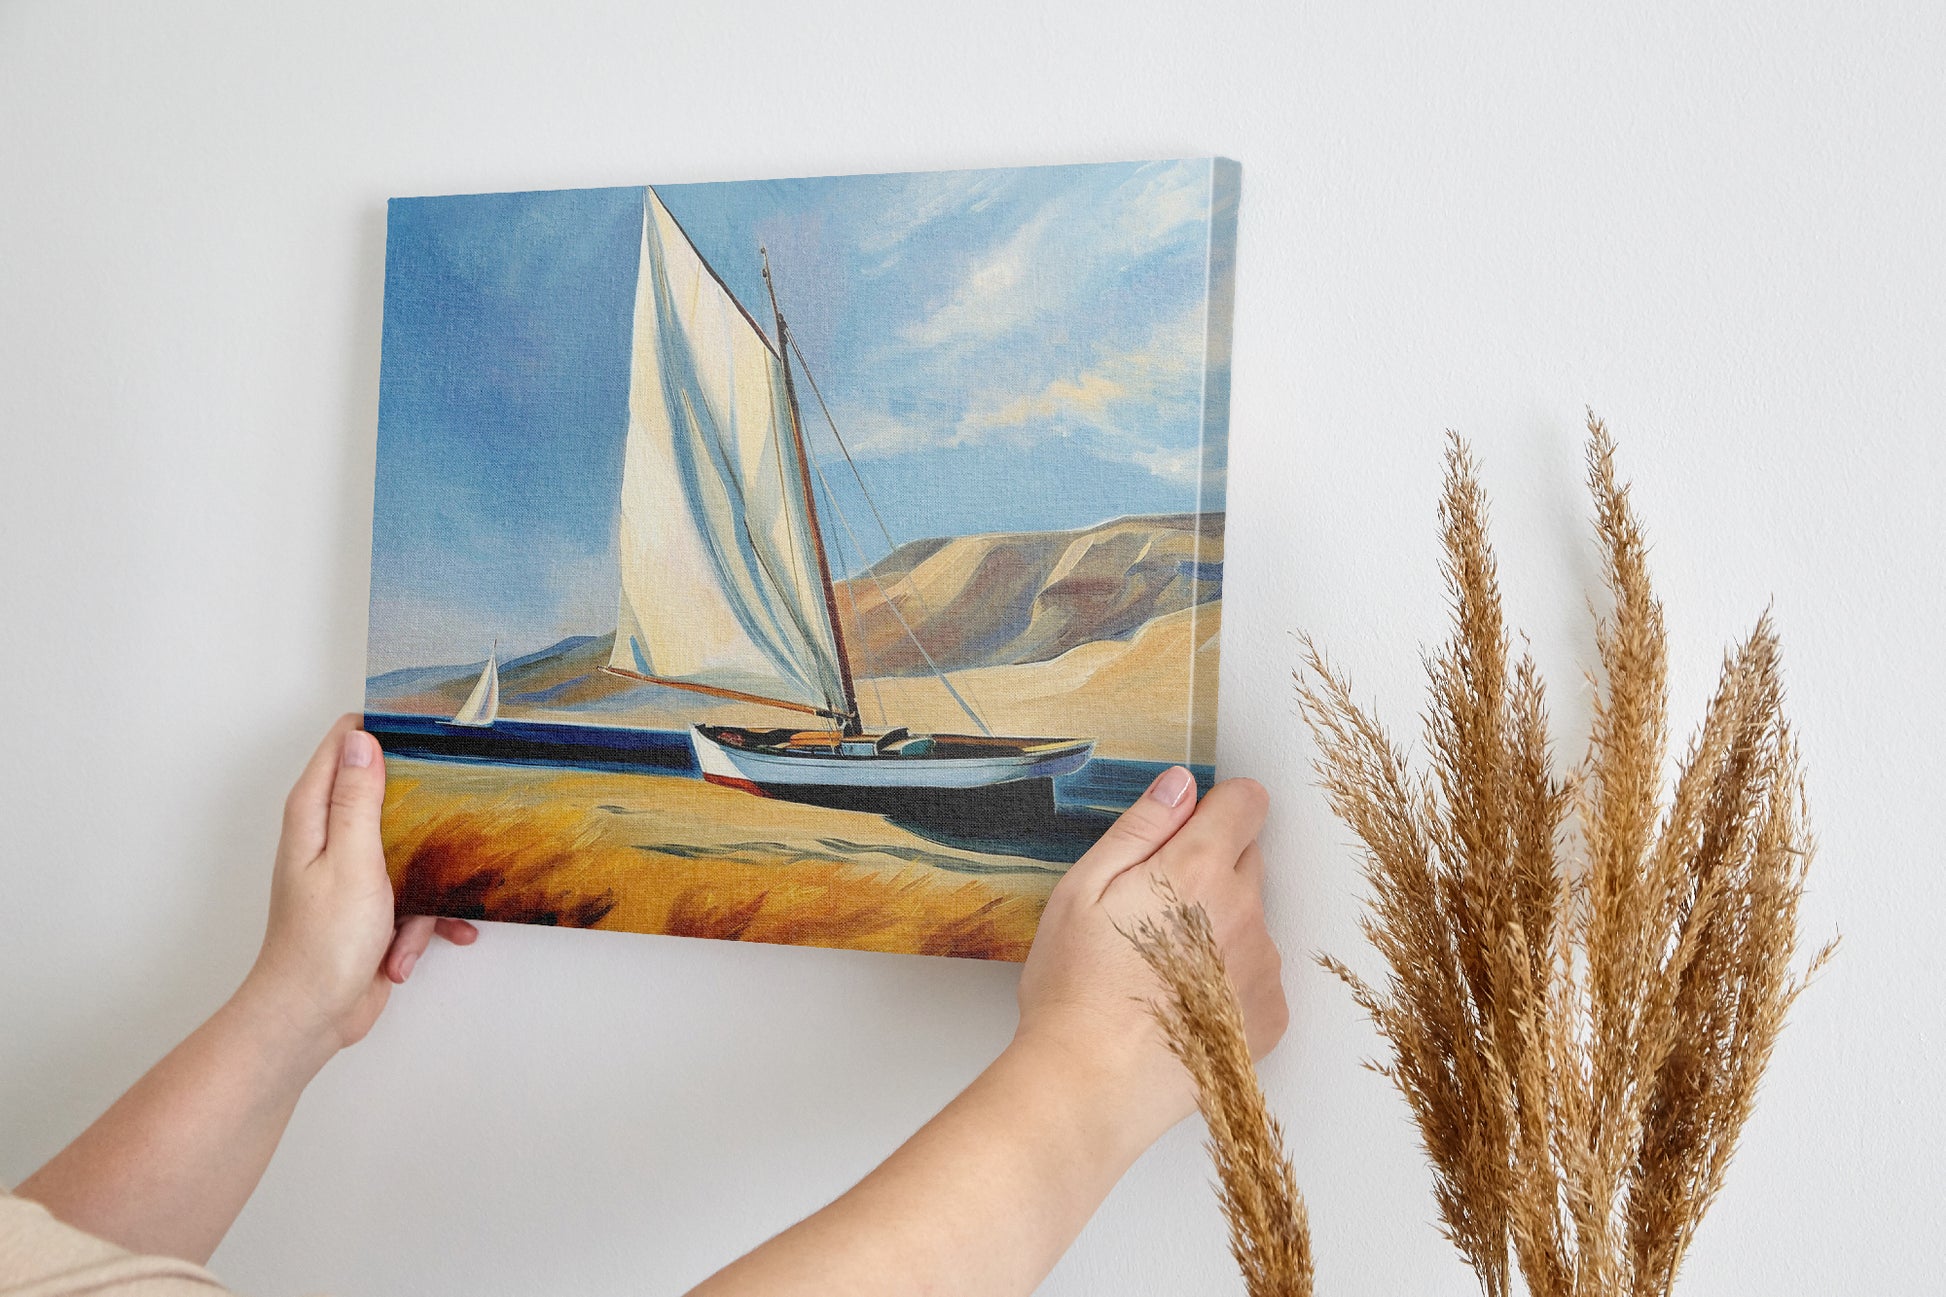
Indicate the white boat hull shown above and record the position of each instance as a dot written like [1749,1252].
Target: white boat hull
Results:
[762,771]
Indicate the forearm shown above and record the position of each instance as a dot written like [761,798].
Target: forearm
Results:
[982,1200]
[168,1167]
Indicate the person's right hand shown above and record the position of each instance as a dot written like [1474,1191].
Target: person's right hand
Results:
[1085,991]
[988,1195]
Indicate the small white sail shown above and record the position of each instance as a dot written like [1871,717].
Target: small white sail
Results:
[720,585]
[483,704]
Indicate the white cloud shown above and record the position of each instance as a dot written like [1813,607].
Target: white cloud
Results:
[871,435]
[1127,402]
[927,197]
[998,293]
[1166,368]
[1101,408]
[1052,264]
[1179,466]
[1167,197]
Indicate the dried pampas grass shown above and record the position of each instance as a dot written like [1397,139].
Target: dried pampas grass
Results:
[1586,974]
[1270,1236]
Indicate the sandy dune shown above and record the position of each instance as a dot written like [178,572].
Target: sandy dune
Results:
[1132,697]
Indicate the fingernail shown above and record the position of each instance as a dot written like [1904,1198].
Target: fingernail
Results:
[405,966]
[1170,786]
[358,749]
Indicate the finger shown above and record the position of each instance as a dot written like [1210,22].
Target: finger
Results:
[1213,840]
[408,943]
[1250,866]
[357,793]
[1142,828]
[1242,890]
[306,808]
[457,931]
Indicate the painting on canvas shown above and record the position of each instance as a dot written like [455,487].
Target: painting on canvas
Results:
[819,561]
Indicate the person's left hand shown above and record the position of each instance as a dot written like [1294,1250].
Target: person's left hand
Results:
[332,950]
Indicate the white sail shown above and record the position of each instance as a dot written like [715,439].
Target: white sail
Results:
[720,585]
[483,704]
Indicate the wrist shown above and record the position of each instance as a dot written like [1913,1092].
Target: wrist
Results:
[286,1026]
[1123,1094]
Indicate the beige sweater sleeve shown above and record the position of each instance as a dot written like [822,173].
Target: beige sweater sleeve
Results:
[41,1257]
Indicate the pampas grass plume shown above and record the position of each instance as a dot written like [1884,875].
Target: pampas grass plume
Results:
[1585,973]
[1270,1234]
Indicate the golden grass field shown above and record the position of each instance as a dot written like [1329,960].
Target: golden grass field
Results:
[656,853]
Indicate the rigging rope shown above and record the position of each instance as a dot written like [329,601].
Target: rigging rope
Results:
[844,449]
[883,530]
[846,524]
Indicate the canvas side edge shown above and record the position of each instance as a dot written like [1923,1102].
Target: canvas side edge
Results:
[1213,452]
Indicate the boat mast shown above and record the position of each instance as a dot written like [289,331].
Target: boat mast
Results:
[852,723]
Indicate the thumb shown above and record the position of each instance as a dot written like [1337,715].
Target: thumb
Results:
[357,793]
[1151,821]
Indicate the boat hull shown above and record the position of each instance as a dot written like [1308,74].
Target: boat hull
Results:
[766,769]
[966,791]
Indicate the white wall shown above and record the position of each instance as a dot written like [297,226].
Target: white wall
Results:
[1717,223]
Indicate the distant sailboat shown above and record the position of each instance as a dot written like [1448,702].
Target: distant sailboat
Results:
[725,585]
[483,704]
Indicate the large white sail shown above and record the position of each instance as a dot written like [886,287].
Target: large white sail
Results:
[483,704]
[720,585]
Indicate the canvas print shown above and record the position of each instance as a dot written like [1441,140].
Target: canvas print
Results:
[823,561]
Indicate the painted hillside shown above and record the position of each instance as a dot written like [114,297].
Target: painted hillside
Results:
[1093,631]
[1012,597]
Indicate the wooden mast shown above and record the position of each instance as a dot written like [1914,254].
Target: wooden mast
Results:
[852,722]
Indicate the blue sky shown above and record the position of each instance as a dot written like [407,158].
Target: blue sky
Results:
[1002,350]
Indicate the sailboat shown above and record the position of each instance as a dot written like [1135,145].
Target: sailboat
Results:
[482,706]
[726,587]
